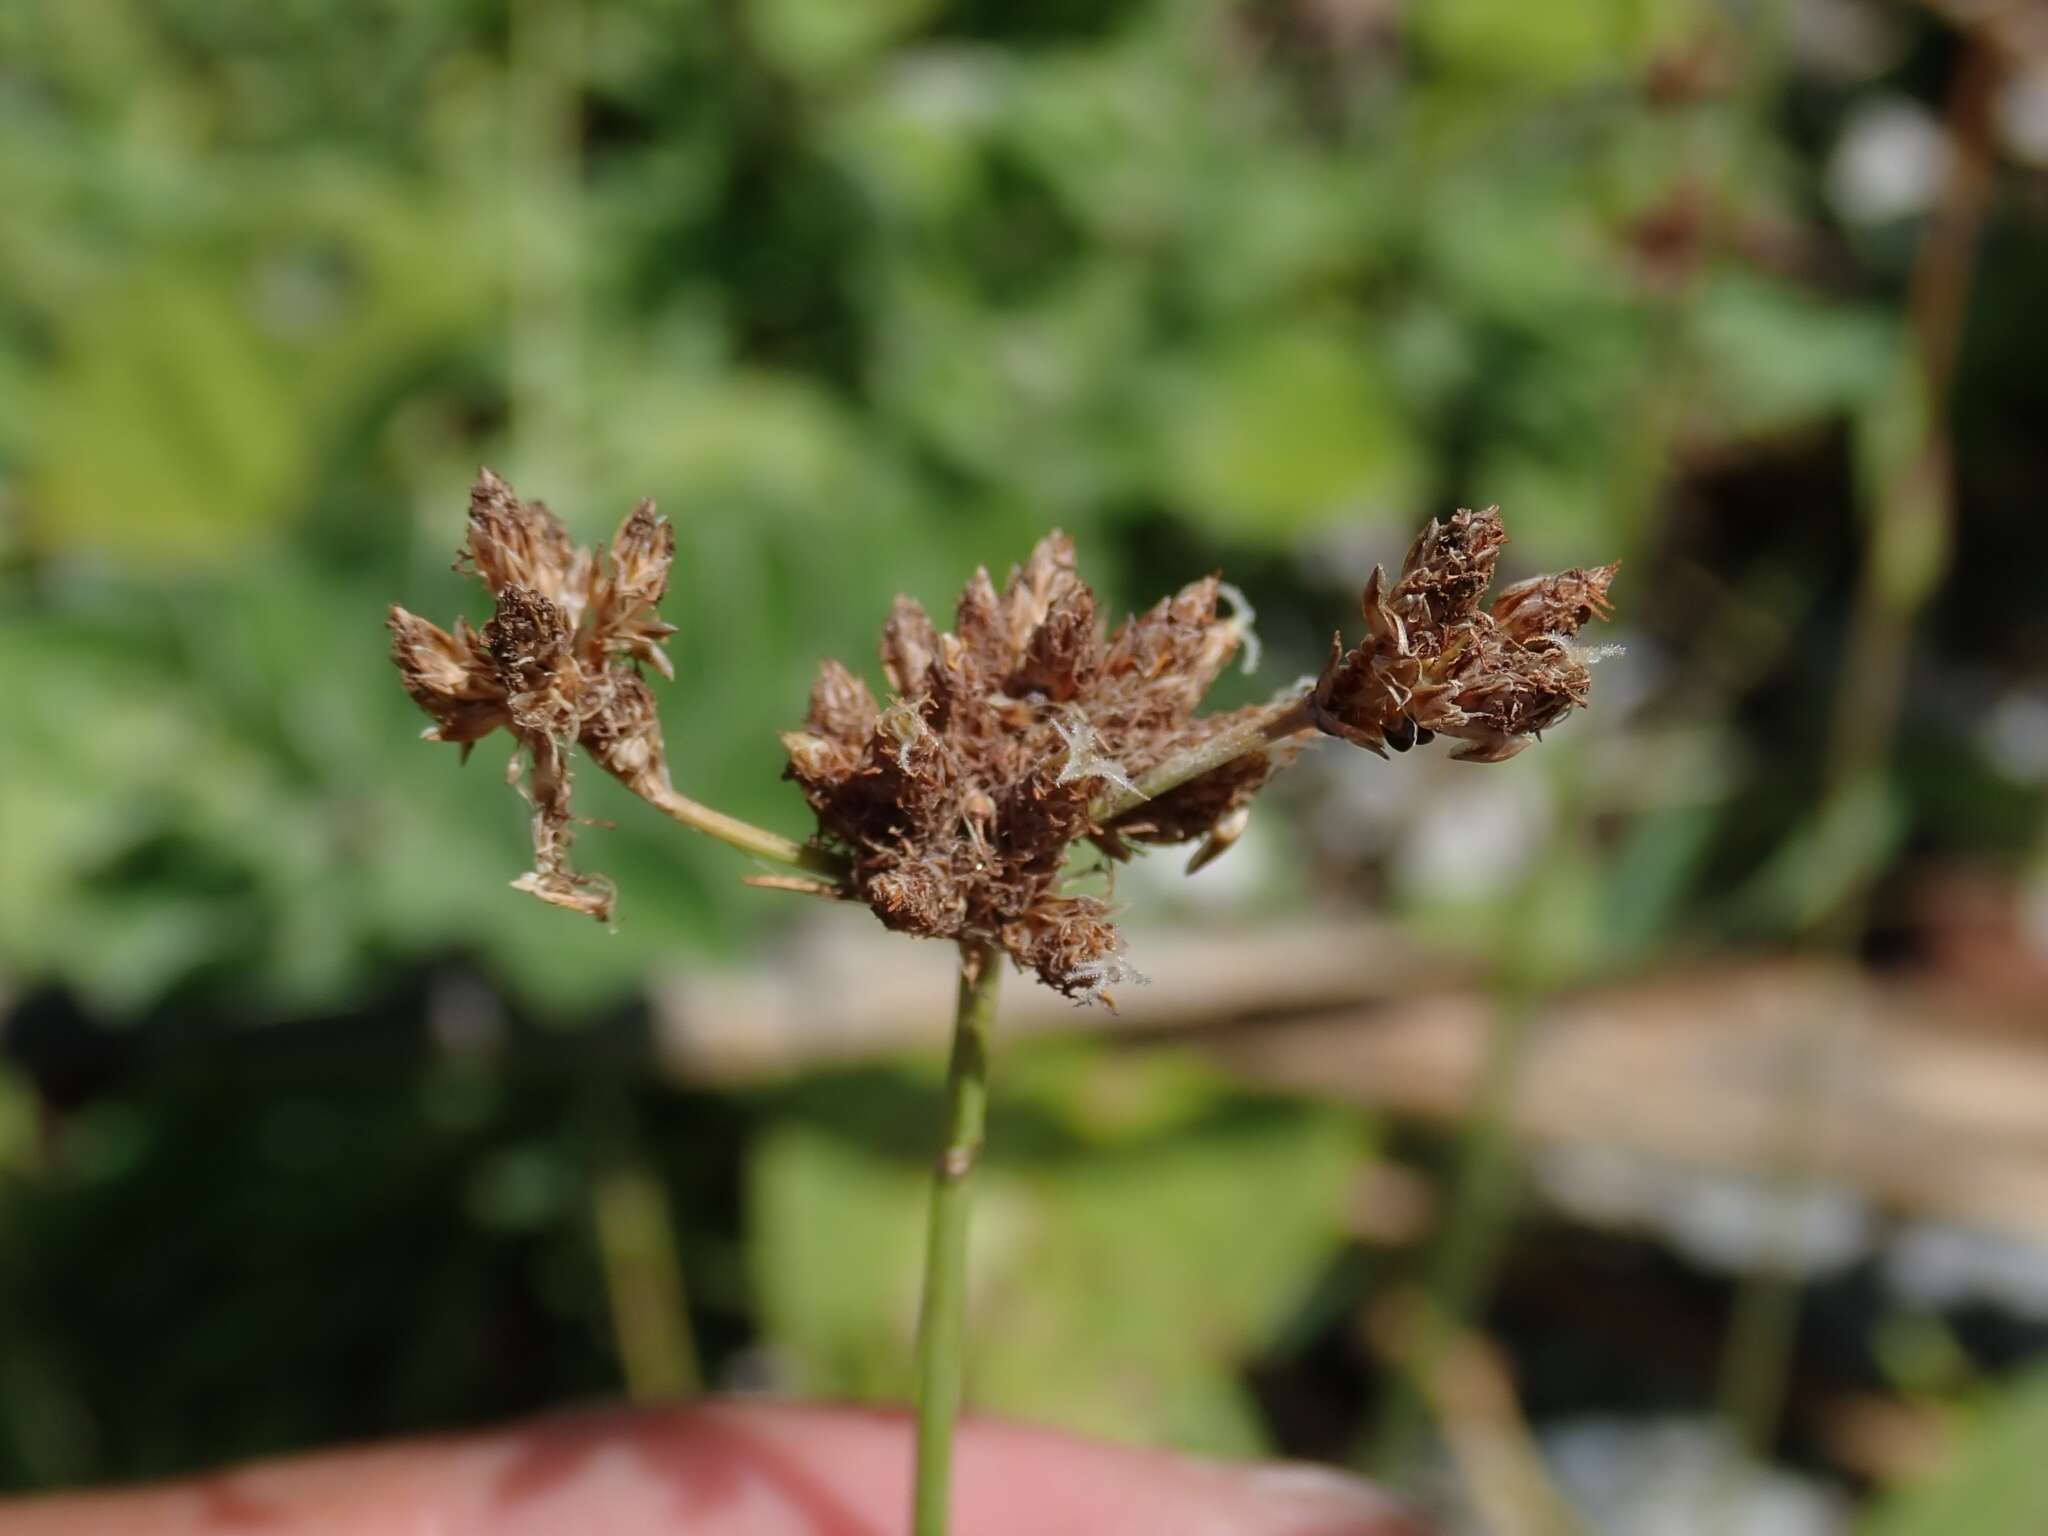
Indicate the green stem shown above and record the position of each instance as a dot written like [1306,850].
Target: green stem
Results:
[643,1282]
[941,1325]
[734,833]
[1285,716]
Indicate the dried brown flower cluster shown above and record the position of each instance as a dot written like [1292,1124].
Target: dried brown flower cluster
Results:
[1030,727]
[556,665]
[959,800]
[1434,662]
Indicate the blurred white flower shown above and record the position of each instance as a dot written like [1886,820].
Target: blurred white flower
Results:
[1683,1477]
[1888,162]
[2015,736]
[2021,114]
[1938,1265]
[1721,1222]
[1743,1225]
[1477,835]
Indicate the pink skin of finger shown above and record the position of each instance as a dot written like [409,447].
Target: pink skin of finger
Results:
[729,1469]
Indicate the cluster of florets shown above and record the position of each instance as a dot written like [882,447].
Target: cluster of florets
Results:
[958,801]
[1435,663]
[557,665]
[1029,728]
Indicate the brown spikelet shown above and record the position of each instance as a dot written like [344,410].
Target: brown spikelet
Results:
[557,665]
[522,543]
[958,801]
[622,617]
[1433,662]
[909,646]
[1554,605]
[451,677]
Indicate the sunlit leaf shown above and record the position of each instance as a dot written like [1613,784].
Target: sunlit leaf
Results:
[1265,435]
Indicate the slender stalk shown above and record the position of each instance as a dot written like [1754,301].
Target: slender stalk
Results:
[1911,534]
[643,1281]
[1763,1328]
[1481,1207]
[733,832]
[941,1325]
[1471,1392]
[1285,716]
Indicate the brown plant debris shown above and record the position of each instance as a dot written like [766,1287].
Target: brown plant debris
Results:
[557,665]
[958,800]
[1434,662]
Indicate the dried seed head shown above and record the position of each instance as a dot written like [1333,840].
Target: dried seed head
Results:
[909,646]
[622,733]
[623,601]
[1450,566]
[451,677]
[556,665]
[1554,605]
[958,802]
[1433,662]
[528,641]
[522,543]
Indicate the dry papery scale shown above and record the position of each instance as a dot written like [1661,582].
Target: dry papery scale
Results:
[1028,728]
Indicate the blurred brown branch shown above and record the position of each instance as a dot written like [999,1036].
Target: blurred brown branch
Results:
[1921,1100]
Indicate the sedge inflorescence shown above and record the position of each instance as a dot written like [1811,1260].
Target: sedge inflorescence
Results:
[557,665]
[1434,662]
[958,801]
[1028,728]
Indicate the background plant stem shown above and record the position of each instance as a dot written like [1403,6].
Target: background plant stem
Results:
[1481,1207]
[1910,489]
[941,1323]
[643,1281]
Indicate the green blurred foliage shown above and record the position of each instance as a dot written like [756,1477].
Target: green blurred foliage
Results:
[1993,1483]
[1142,1234]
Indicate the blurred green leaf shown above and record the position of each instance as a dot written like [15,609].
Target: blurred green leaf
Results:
[1995,1483]
[1568,42]
[818,37]
[165,429]
[1775,359]
[1119,1289]
[1826,858]
[1266,435]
